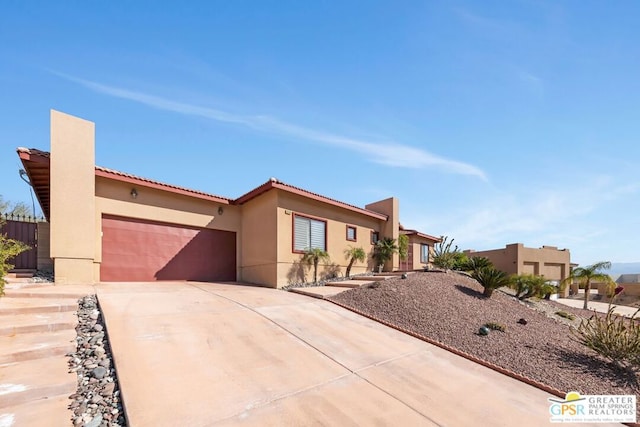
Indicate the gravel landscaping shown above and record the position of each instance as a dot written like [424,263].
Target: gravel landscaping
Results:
[96,402]
[449,308]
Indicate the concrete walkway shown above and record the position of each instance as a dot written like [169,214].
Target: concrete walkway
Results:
[213,354]
[601,307]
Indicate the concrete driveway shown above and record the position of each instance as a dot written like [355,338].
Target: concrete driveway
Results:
[201,354]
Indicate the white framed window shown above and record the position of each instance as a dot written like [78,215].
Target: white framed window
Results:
[309,233]
[424,254]
[351,233]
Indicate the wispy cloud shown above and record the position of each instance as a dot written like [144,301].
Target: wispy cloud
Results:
[488,26]
[558,216]
[389,154]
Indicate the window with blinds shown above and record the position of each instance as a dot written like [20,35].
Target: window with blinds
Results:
[424,254]
[308,233]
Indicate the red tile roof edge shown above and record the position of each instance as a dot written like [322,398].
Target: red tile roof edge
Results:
[419,234]
[26,153]
[274,183]
[149,183]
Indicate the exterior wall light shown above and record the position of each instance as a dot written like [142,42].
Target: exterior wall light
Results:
[134,193]
[220,210]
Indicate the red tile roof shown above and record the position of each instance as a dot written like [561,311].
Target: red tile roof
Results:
[27,153]
[275,184]
[35,155]
[419,234]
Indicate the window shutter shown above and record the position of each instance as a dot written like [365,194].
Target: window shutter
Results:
[301,240]
[317,234]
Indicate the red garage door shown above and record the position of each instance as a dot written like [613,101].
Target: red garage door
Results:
[140,250]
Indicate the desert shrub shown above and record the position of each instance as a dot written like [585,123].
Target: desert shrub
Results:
[565,315]
[446,257]
[496,326]
[613,337]
[530,285]
[9,248]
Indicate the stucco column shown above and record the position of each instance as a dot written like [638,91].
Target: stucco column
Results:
[390,228]
[72,193]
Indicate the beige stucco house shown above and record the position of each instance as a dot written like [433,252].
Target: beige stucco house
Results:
[107,225]
[548,261]
[630,283]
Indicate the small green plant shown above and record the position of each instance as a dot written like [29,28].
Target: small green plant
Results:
[496,326]
[565,315]
[403,247]
[9,248]
[313,257]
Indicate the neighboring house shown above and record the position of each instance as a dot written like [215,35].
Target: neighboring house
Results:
[107,225]
[420,250]
[630,283]
[548,261]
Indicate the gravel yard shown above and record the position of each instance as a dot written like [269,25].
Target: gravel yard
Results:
[449,308]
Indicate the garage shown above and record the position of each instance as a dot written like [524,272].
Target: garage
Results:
[141,250]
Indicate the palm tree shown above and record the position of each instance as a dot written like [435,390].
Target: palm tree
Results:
[490,278]
[353,255]
[313,257]
[383,251]
[588,274]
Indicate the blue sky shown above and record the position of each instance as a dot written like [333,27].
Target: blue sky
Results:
[493,122]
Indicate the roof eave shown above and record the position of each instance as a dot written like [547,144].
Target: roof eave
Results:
[157,186]
[269,185]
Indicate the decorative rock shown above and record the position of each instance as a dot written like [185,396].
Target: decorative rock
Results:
[99,372]
[522,321]
[95,422]
[483,331]
[404,275]
[96,401]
